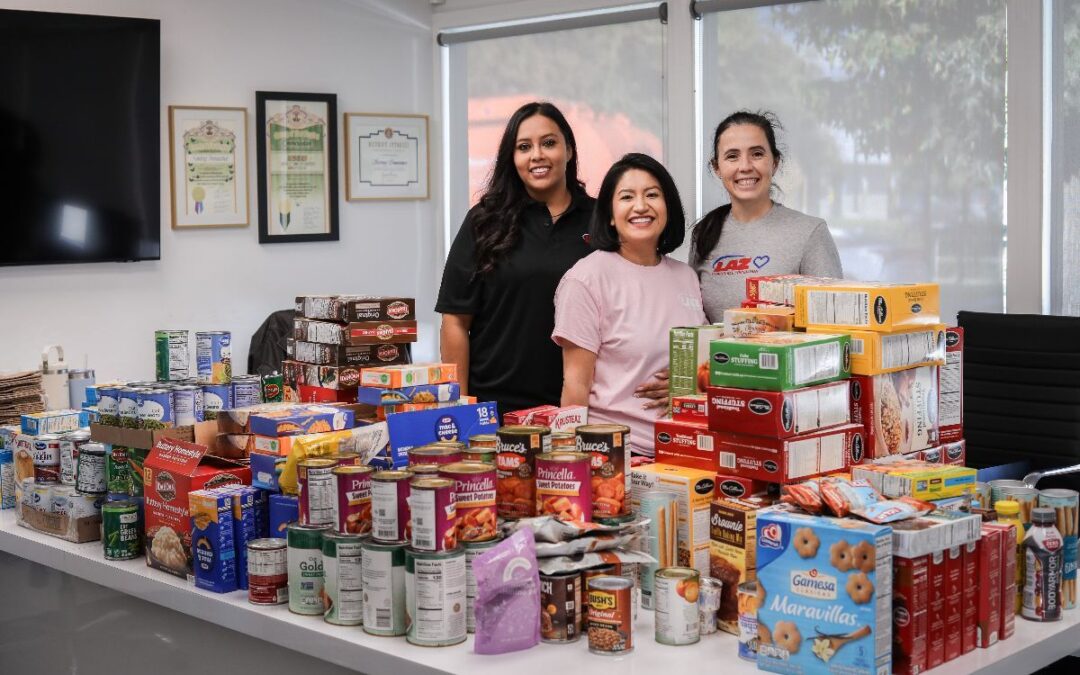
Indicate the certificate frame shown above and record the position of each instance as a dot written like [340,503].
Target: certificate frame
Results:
[408,177]
[298,186]
[217,200]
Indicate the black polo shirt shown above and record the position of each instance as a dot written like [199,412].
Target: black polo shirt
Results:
[512,358]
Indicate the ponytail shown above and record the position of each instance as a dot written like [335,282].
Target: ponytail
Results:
[707,233]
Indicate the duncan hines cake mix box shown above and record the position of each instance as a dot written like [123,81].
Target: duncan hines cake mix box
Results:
[779,414]
[899,410]
[824,594]
[689,358]
[348,308]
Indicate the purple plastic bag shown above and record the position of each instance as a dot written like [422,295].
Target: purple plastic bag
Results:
[508,596]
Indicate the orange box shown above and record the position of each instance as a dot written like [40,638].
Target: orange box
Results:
[863,305]
[395,377]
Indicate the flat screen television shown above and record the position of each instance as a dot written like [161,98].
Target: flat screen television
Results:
[80,127]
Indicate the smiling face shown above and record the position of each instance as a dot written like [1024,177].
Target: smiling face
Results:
[745,164]
[541,156]
[639,210]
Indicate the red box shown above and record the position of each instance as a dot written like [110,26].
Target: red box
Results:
[970,580]
[685,444]
[779,414]
[954,599]
[988,620]
[788,460]
[737,487]
[1008,579]
[935,630]
[951,387]
[526,416]
[689,408]
[906,398]
[562,419]
[309,394]
[910,610]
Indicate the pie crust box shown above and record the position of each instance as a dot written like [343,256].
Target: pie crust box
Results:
[863,305]
[873,353]
[355,333]
[898,409]
[779,414]
[732,554]
[911,608]
[951,387]
[693,488]
[790,460]
[688,358]
[347,308]
[686,444]
[342,355]
[826,594]
[990,570]
[778,361]
[1008,578]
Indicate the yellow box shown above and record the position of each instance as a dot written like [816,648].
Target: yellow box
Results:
[751,320]
[918,479]
[874,353]
[693,488]
[864,305]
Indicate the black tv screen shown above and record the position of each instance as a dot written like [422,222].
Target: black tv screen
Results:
[79,138]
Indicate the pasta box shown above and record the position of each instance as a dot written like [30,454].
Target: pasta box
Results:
[689,358]
[345,355]
[266,469]
[348,308]
[421,393]
[899,410]
[409,375]
[779,289]
[753,320]
[778,361]
[301,419]
[951,387]
[779,414]
[457,423]
[686,444]
[788,460]
[328,377]
[861,305]
[873,353]
[213,534]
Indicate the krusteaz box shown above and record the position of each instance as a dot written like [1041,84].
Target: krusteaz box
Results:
[689,358]
[779,361]
[862,305]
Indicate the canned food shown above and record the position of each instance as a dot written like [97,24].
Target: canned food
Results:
[348,459]
[384,588]
[172,355]
[108,404]
[610,621]
[352,501]
[479,456]
[69,454]
[121,530]
[306,571]
[563,486]
[984,496]
[41,496]
[662,511]
[316,491]
[127,407]
[213,357]
[90,474]
[483,442]
[1019,492]
[473,549]
[268,571]
[474,496]
[84,506]
[273,387]
[343,566]
[390,506]
[709,603]
[155,409]
[608,446]
[246,391]
[434,514]
[563,440]
[45,450]
[560,607]
[677,618]
[61,499]
[435,597]
[748,624]
[187,405]
[515,465]
[435,453]
[216,397]
[425,469]
[124,471]
[1065,504]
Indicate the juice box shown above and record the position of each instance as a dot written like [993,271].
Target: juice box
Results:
[873,352]
[689,358]
[778,361]
[877,306]
[693,488]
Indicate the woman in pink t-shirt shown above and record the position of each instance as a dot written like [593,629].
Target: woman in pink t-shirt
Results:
[615,307]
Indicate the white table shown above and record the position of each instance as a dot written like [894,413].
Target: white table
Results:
[1032,647]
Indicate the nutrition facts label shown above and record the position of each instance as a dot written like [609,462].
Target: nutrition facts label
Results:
[838,308]
[384,515]
[952,375]
[436,591]
[907,349]
[820,408]
[816,362]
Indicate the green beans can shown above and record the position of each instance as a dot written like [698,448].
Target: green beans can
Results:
[343,568]
[306,568]
[122,530]
[435,597]
[172,355]
[384,588]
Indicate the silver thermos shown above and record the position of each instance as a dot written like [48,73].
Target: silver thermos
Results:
[78,380]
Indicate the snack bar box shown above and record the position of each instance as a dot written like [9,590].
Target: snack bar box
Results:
[456,423]
[778,361]
[689,358]
[779,414]
[899,410]
[356,333]
[348,308]
[790,460]
[779,289]
[873,353]
[951,387]
[344,355]
[860,305]
[409,375]
[421,393]
[327,377]
[754,320]
[301,419]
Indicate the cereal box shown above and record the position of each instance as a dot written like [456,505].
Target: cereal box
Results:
[421,393]
[732,554]
[911,605]
[685,444]
[778,361]
[345,355]
[753,320]
[825,588]
[689,358]
[779,289]
[787,460]
[566,418]
[301,419]
[898,409]
[873,353]
[394,377]
[951,387]
[348,308]
[689,408]
[779,414]
[694,490]
[878,306]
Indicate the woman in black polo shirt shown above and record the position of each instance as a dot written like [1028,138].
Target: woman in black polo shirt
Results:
[498,286]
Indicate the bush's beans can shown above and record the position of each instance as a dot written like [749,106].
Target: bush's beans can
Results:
[127,407]
[515,465]
[610,620]
[473,549]
[343,565]
[563,440]
[121,530]
[434,514]
[435,589]
[384,588]
[1065,504]
[273,387]
[748,623]
[108,402]
[352,501]
[315,481]
[172,355]
[185,413]
[90,473]
[268,571]
[564,486]
[709,603]
[609,449]
[481,448]
[45,450]
[213,357]
[246,391]
[676,593]
[390,521]
[434,454]
[154,409]
[560,607]
[474,496]
[216,397]
[69,454]
[306,571]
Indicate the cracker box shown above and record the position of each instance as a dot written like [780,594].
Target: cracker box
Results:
[348,308]
[861,305]
[301,419]
[988,617]
[566,418]
[779,414]
[526,416]
[873,353]
[685,444]
[732,554]
[393,377]
[689,408]
[457,423]
[345,355]
[951,387]
[689,358]
[779,289]
[898,409]
[826,589]
[694,490]
[736,487]
[778,361]
[421,393]
[328,377]
[754,320]
[788,460]
[911,606]
[54,422]
[970,614]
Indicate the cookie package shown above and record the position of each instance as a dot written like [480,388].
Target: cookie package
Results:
[826,594]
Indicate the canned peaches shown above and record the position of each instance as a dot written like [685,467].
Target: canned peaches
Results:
[515,465]
[563,486]
[608,447]
[474,493]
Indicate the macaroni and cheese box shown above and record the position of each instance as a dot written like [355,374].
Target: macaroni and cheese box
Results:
[686,444]
[301,419]
[877,306]
[778,361]
[732,554]
[951,387]
[754,320]
[689,358]
[693,488]
[787,460]
[780,414]
[825,588]
[421,393]
[413,375]
[873,353]
[266,470]
[457,423]
[899,410]
[213,540]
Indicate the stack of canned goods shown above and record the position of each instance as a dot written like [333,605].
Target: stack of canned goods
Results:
[69,474]
[163,405]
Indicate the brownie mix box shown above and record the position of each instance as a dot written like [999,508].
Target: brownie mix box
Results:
[348,308]
[873,353]
[778,361]
[788,460]
[951,387]
[779,414]
[732,554]
[860,305]
[911,608]
[689,358]
[685,444]
[344,355]
[899,410]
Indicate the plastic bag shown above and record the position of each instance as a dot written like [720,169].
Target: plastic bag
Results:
[507,596]
[600,542]
[551,529]
[566,563]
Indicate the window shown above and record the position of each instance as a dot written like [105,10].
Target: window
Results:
[1062,100]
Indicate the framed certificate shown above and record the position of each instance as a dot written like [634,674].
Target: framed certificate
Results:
[208,166]
[297,158]
[386,156]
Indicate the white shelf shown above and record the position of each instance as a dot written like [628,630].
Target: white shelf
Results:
[1034,645]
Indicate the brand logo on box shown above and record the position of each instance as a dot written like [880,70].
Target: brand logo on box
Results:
[760,406]
[349,378]
[771,535]
[705,486]
[732,488]
[856,390]
[787,416]
[272,390]
[446,429]
[165,485]
[901,616]
[881,312]
[952,338]
[813,584]
[721,357]
[771,466]
[857,449]
[386,352]
[397,310]
[663,437]
[916,308]
[847,356]
[954,451]
[384,331]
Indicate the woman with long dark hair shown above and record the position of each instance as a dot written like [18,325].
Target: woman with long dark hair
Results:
[499,282]
[753,235]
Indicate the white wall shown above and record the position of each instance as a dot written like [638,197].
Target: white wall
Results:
[376,55]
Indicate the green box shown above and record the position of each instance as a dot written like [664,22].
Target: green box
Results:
[779,361]
[690,354]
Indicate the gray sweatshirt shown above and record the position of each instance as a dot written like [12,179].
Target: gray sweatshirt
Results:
[782,241]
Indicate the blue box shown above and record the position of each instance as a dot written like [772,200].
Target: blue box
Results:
[266,469]
[244,526]
[284,509]
[54,422]
[421,393]
[301,419]
[456,423]
[213,547]
[262,513]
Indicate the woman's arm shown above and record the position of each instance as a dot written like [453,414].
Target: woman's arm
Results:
[454,345]
[578,367]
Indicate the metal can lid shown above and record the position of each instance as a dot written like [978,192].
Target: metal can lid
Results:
[431,483]
[448,444]
[601,429]
[77,436]
[435,450]
[317,463]
[523,430]
[466,467]
[92,448]
[425,469]
[677,573]
[392,475]
[46,438]
[266,544]
[607,582]
[563,456]
[343,469]
[1059,493]
[306,536]
[483,441]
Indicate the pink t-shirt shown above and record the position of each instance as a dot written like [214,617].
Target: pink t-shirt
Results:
[623,312]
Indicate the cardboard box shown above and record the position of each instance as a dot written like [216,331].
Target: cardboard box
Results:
[393,377]
[911,607]
[951,387]
[346,308]
[988,617]
[236,420]
[525,416]
[690,408]
[935,531]
[232,446]
[689,358]
[266,470]
[873,353]
[370,441]
[567,418]
[898,409]
[779,289]
[732,554]
[457,423]
[878,306]
[778,361]
[954,598]
[736,487]
[1008,578]
[422,393]
[203,433]
[969,616]
[754,320]
[685,444]
[779,414]
[918,479]
[172,470]
[693,489]
[949,453]
[63,526]
[301,419]
[328,377]
[789,460]
[344,355]
[214,563]
[356,333]
[54,422]
[935,632]
[306,393]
